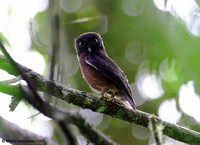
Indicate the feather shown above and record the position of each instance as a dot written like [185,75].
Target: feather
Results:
[108,68]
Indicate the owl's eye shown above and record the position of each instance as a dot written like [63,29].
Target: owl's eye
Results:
[95,41]
[81,43]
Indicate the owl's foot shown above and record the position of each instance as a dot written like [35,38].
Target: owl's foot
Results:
[112,96]
[104,95]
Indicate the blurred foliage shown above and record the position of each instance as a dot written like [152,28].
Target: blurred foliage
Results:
[137,36]
[15,92]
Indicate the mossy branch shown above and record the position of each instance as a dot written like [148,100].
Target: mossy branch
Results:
[91,101]
[60,116]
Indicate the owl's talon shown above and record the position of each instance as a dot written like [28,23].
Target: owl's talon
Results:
[103,92]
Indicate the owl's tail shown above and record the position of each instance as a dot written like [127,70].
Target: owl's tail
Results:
[127,102]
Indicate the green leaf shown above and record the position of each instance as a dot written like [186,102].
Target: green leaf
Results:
[14,102]
[13,90]
[5,65]
[4,39]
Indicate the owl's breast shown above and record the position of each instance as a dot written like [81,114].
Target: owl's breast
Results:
[95,78]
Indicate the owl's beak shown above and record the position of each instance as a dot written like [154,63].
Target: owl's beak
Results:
[90,49]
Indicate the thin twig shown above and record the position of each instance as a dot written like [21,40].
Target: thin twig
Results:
[11,81]
[67,131]
[156,129]
[54,59]
[55,38]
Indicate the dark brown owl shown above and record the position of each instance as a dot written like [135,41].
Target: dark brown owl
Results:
[100,71]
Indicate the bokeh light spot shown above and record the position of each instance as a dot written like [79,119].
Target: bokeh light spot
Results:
[189,101]
[133,7]
[149,85]
[167,70]
[135,52]
[140,133]
[136,95]
[92,117]
[70,5]
[5,75]
[188,11]
[161,4]
[169,114]
[30,59]
[72,66]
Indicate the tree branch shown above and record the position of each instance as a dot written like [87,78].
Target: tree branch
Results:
[31,87]
[55,39]
[10,132]
[156,129]
[61,117]
[91,101]
[89,132]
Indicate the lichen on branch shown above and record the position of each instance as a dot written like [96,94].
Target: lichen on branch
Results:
[91,101]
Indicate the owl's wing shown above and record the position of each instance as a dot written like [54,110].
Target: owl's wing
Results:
[108,68]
